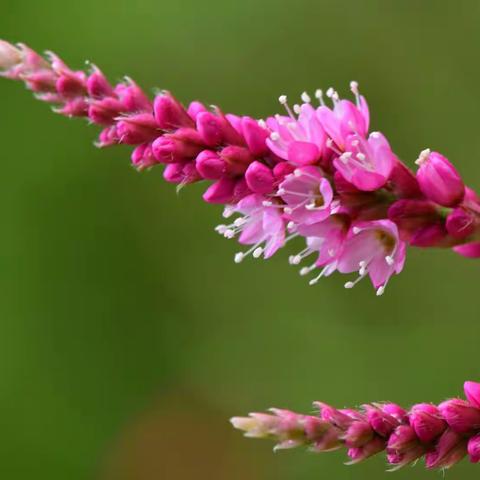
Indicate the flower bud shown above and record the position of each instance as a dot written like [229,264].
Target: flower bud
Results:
[412,215]
[469,250]
[173,172]
[359,454]
[473,449]
[472,392]
[169,113]
[439,180]
[136,129]
[427,422]
[255,136]
[402,439]
[259,178]
[433,235]
[142,157]
[460,223]
[171,148]
[381,422]
[221,191]
[237,159]
[450,449]
[71,84]
[98,85]
[132,97]
[460,415]
[210,165]
[358,434]
[195,108]
[9,55]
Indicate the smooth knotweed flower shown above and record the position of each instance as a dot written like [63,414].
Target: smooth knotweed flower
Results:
[442,435]
[314,172]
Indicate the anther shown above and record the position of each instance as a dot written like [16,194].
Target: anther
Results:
[282,99]
[238,257]
[319,96]
[354,87]
[390,261]
[275,136]
[262,123]
[424,154]
[257,252]
[380,290]
[306,97]
[297,109]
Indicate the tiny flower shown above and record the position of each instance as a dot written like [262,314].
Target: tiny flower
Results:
[374,249]
[439,180]
[358,454]
[346,118]
[299,140]
[308,195]
[460,223]
[261,226]
[367,164]
[449,450]
[259,178]
[170,113]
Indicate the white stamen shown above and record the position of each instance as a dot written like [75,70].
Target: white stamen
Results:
[262,123]
[349,285]
[319,96]
[281,191]
[344,157]
[390,261]
[291,225]
[380,290]
[257,252]
[297,172]
[424,154]
[297,109]
[221,229]
[282,99]
[229,233]
[295,259]
[361,157]
[306,270]
[228,212]
[275,136]
[330,92]
[354,87]
[288,210]
[239,221]
[355,143]
[306,97]
[356,230]
[267,203]
[239,257]
[375,135]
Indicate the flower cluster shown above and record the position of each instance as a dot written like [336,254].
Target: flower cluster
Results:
[442,434]
[315,172]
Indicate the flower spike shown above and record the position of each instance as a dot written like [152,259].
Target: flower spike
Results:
[441,435]
[311,173]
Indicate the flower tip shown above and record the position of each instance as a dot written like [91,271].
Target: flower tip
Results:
[9,55]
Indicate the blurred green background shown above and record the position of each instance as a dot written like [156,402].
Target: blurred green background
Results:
[128,336]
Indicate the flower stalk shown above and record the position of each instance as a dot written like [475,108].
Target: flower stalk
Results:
[440,435]
[314,173]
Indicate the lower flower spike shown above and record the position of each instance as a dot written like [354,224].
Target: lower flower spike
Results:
[441,435]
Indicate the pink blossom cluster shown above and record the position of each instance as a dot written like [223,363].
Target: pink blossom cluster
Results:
[442,435]
[314,172]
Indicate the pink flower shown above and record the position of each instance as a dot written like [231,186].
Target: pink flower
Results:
[346,118]
[260,226]
[299,140]
[367,164]
[374,249]
[308,195]
[439,180]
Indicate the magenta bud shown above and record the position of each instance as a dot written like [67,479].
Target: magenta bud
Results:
[329,441]
[255,136]
[136,129]
[190,173]
[108,136]
[472,392]
[439,180]
[132,97]
[358,434]
[315,428]
[170,149]
[381,422]
[41,81]
[210,128]
[334,416]
[373,447]
[402,439]
[105,110]
[173,172]
[403,182]
[450,449]
[259,178]
[281,170]
[460,223]
[469,250]
[427,422]
[169,113]
[142,157]
[434,235]
[221,191]
[71,85]
[460,415]
[195,108]
[209,165]
[98,85]
[395,411]
[473,449]
[237,158]
[241,190]
[77,107]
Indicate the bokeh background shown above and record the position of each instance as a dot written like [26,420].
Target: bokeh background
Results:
[128,336]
